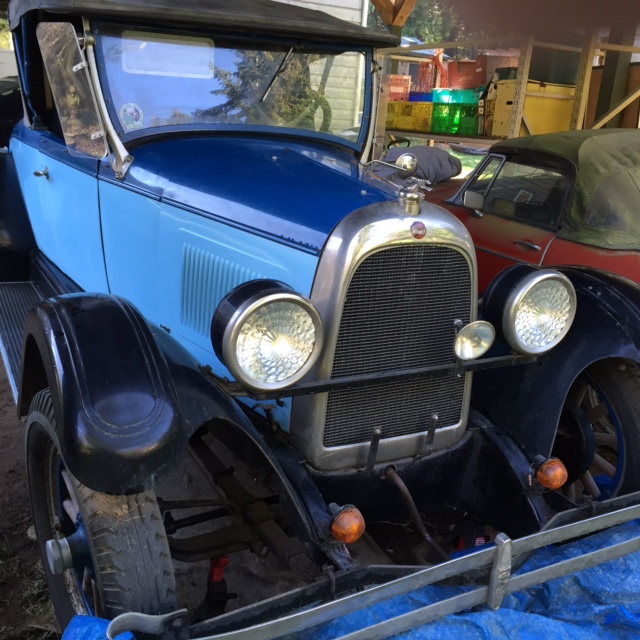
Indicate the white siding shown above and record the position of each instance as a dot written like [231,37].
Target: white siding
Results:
[350,10]
[341,93]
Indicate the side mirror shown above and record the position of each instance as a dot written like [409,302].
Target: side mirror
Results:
[473,200]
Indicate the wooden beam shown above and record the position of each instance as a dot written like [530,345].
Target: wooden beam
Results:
[386,9]
[403,12]
[605,46]
[557,47]
[475,42]
[394,13]
[616,110]
[613,87]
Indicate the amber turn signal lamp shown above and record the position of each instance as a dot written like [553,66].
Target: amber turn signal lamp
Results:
[348,525]
[552,473]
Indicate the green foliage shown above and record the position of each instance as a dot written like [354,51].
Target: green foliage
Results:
[433,21]
[5,34]
[288,100]
[430,21]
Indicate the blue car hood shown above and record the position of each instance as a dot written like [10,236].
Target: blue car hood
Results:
[297,193]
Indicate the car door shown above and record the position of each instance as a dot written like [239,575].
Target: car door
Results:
[57,161]
[520,210]
[61,194]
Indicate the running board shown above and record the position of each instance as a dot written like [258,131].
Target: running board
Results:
[16,299]
[496,560]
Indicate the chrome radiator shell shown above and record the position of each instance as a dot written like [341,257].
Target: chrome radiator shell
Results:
[331,429]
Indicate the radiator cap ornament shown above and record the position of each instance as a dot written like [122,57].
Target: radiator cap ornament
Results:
[410,199]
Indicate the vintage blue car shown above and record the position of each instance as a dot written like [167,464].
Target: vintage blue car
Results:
[199,267]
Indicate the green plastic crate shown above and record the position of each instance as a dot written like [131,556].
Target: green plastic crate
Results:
[444,117]
[460,119]
[456,96]
[466,123]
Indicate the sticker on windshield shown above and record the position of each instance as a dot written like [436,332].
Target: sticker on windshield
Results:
[131,116]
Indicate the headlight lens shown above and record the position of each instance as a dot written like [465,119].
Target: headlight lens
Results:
[539,312]
[474,340]
[270,338]
[275,341]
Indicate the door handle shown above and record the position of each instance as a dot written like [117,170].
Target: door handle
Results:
[44,173]
[529,245]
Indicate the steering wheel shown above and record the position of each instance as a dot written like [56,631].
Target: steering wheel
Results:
[316,101]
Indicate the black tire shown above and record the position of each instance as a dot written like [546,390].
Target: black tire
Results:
[128,565]
[605,400]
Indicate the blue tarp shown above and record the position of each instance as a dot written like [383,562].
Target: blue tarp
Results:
[595,604]
[602,603]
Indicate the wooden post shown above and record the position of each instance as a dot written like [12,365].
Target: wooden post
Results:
[394,13]
[616,72]
[517,110]
[583,83]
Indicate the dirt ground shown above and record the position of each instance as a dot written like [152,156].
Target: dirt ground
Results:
[25,608]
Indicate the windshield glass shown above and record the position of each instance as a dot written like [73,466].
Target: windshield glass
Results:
[529,193]
[165,80]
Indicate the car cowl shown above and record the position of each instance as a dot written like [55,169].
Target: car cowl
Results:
[294,191]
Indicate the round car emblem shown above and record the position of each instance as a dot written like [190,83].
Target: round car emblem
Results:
[418,230]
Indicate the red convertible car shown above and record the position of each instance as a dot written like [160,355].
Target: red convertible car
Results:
[557,199]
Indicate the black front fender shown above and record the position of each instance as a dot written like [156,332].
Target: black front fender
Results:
[527,401]
[126,400]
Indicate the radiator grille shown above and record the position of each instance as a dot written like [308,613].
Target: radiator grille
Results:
[399,314]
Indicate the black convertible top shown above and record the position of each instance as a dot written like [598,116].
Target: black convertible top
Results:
[256,16]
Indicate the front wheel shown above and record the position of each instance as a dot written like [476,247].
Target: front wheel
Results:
[103,555]
[598,437]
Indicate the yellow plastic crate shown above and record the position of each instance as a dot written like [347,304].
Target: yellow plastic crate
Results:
[410,116]
[405,119]
[423,113]
[405,123]
[392,114]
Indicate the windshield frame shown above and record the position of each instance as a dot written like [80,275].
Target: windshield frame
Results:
[138,136]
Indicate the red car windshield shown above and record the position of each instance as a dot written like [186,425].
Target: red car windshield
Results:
[527,192]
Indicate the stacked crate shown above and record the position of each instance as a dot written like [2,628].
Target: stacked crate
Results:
[423,113]
[455,111]
[399,88]
[410,116]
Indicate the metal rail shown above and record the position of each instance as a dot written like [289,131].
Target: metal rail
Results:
[497,560]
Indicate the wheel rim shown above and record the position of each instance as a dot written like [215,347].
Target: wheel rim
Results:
[609,442]
[595,421]
[65,521]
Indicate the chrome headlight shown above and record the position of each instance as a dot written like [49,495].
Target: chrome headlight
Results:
[539,312]
[267,335]
[474,340]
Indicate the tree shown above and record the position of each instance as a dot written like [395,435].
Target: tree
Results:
[433,21]
[5,34]
[430,21]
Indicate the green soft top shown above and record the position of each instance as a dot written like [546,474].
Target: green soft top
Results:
[604,210]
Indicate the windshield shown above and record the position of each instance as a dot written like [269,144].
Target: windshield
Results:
[156,80]
[530,193]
